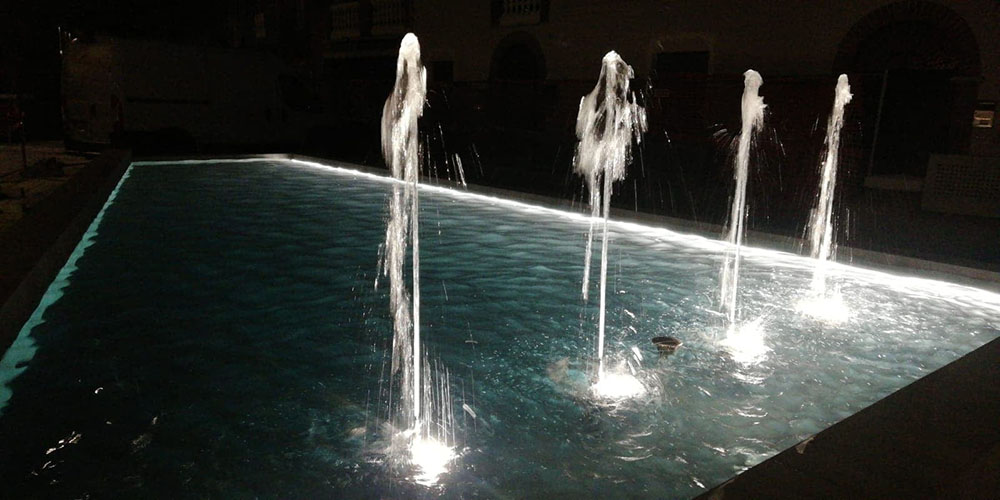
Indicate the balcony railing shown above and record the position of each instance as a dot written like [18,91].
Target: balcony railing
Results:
[519,12]
[389,17]
[345,20]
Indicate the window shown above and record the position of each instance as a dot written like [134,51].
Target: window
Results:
[667,63]
[259,26]
[519,12]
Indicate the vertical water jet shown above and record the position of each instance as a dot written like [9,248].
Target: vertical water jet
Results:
[608,121]
[821,241]
[752,120]
[820,303]
[400,148]
[425,404]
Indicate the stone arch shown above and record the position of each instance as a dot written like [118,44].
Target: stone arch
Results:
[518,56]
[895,36]
[918,66]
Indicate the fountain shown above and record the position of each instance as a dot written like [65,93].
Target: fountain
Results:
[820,304]
[752,120]
[280,391]
[401,151]
[608,121]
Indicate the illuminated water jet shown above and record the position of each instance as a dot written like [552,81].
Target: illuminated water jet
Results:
[400,148]
[822,245]
[820,304]
[753,118]
[608,121]
[425,402]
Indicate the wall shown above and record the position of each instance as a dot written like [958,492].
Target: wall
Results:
[739,34]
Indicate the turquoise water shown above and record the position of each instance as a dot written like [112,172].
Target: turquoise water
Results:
[219,334]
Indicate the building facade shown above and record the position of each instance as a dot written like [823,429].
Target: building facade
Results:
[511,72]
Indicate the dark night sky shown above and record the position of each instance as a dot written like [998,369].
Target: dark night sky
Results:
[157,18]
[29,38]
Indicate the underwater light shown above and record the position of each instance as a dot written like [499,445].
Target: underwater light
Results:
[828,309]
[746,343]
[431,457]
[618,386]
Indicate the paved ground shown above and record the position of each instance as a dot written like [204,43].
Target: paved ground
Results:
[21,189]
[36,240]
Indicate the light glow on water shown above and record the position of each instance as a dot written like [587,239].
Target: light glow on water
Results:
[829,309]
[916,286]
[928,287]
[431,458]
[618,386]
[745,343]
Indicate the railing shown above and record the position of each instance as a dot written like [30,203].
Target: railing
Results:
[345,20]
[962,184]
[389,17]
[517,12]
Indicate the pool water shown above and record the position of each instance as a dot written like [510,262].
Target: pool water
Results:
[218,333]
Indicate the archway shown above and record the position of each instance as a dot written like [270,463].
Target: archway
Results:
[518,57]
[517,73]
[919,65]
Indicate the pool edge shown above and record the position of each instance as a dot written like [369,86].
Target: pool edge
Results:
[857,257]
[871,260]
[44,239]
[934,438]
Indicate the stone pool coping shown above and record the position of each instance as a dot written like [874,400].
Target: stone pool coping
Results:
[37,246]
[937,437]
[869,259]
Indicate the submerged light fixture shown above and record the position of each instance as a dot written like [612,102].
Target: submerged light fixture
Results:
[745,343]
[618,386]
[830,309]
[431,458]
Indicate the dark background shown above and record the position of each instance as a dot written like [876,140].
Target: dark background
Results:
[915,69]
